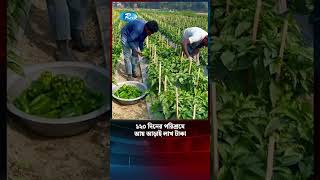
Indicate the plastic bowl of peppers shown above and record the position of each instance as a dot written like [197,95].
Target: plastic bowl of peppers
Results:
[60,98]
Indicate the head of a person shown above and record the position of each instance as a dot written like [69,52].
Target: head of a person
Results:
[205,41]
[151,27]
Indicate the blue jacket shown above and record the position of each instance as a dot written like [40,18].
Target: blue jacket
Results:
[134,34]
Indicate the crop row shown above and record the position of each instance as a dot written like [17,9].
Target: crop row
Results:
[174,80]
[173,29]
[116,37]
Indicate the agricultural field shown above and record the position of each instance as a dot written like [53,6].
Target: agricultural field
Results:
[177,89]
[264,80]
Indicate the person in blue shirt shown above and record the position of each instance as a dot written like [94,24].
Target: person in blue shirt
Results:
[133,35]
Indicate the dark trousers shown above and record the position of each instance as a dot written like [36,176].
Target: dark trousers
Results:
[66,16]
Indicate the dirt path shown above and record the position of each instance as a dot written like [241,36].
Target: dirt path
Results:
[32,157]
[128,112]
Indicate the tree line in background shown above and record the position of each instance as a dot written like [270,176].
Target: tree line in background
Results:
[193,6]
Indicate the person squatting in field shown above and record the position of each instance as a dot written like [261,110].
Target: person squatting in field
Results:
[133,35]
[193,39]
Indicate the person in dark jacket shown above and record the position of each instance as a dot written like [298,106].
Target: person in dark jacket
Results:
[133,35]
[67,19]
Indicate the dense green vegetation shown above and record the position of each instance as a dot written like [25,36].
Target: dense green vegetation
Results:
[15,10]
[262,94]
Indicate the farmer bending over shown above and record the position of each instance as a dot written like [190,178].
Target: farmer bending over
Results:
[133,35]
[194,38]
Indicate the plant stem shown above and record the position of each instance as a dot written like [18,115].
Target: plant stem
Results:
[198,59]
[228,7]
[165,83]
[190,65]
[198,76]
[159,77]
[177,103]
[283,43]
[270,157]
[256,21]
[147,42]
[194,111]
[272,137]
[181,57]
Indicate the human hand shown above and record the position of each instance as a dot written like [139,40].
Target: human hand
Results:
[140,53]
[195,52]
[136,52]
[140,58]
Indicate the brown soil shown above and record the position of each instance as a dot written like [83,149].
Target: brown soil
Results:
[39,158]
[33,157]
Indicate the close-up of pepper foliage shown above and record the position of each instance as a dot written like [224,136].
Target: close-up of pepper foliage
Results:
[15,10]
[58,96]
[261,94]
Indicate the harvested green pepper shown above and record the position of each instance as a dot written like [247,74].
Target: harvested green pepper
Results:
[41,104]
[58,96]
[128,92]
[22,102]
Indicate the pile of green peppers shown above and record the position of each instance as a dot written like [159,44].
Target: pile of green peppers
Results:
[58,96]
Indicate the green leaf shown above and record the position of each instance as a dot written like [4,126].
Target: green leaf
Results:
[306,168]
[275,92]
[158,115]
[242,27]
[254,168]
[232,139]
[224,151]
[225,173]
[303,75]
[16,68]
[240,150]
[304,85]
[282,175]
[255,131]
[216,47]
[275,67]
[284,170]
[273,125]
[290,159]
[227,58]
[267,59]
[292,114]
